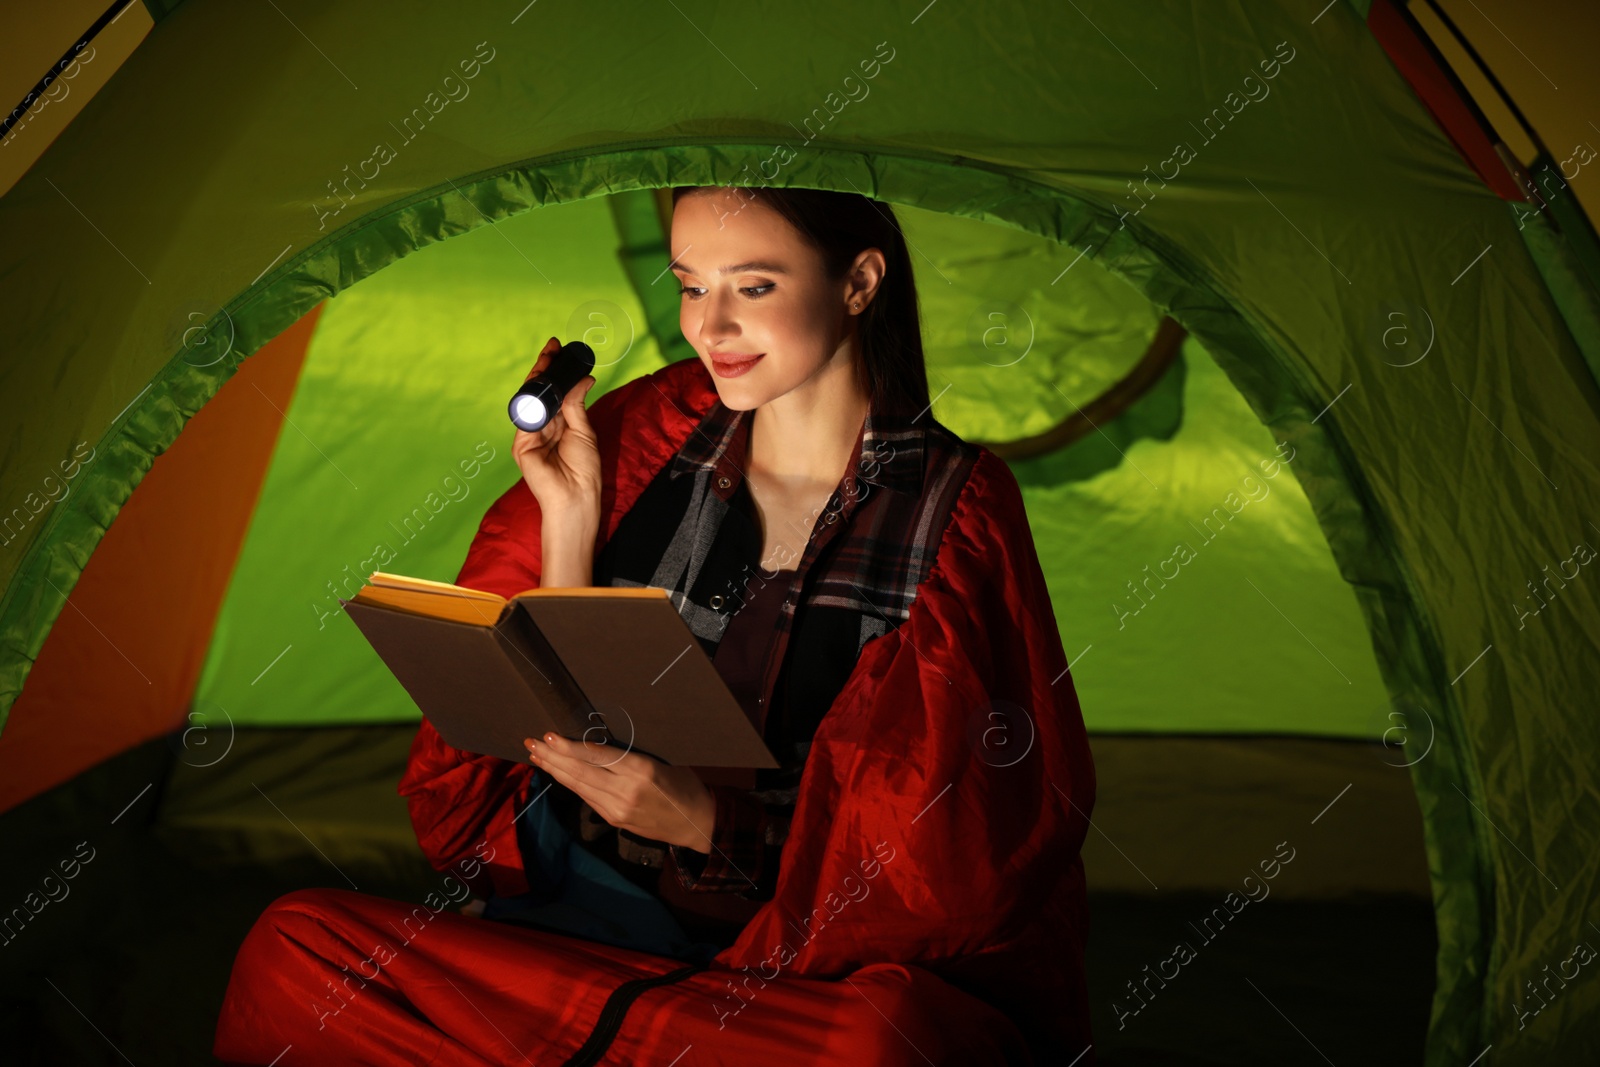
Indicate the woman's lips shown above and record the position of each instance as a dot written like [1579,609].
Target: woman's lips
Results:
[732,367]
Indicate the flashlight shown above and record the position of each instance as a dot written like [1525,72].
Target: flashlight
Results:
[537,402]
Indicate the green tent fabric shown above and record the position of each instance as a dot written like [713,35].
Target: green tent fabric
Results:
[1378,440]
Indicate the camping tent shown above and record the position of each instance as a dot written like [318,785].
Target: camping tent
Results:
[267,304]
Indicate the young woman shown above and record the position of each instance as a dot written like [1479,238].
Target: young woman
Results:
[782,297]
[907,885]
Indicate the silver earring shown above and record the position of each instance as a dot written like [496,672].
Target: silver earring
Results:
[857,305]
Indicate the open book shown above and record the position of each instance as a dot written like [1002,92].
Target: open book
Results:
[617,664]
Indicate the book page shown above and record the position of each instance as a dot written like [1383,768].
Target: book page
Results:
[478,611]
[425,585]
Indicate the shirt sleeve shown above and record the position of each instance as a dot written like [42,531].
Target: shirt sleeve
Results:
[746,844]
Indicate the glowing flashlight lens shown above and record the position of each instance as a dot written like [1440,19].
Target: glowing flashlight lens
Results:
[529,411]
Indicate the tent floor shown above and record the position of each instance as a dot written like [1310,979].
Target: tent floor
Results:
[137,953]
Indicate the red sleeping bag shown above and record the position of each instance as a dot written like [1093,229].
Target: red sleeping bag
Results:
[930,905]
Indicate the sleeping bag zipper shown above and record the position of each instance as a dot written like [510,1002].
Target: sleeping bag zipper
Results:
[616,1007]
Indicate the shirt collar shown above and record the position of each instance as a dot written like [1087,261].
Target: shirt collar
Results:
[890,446]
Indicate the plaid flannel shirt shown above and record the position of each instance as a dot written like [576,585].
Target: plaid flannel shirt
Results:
[693,532]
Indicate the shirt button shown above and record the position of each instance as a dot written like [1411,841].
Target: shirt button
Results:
[833,516]
[724,481]
[716,600]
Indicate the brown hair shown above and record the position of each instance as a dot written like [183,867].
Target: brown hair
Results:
[841,226]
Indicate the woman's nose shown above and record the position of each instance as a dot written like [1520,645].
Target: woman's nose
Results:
[719,319]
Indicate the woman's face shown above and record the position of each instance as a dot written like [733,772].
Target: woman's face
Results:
[754,287]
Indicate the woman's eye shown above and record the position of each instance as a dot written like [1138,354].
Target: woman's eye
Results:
[755,292]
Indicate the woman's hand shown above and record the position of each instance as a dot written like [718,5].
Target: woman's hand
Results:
[561,462]
[632,792]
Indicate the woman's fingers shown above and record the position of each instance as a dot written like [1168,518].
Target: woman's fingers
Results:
[562,770]
[630,791]
[550,348]
[594,753]
[607,776]
[572,406]
[574,766]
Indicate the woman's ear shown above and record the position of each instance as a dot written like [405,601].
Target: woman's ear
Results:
[865,278]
